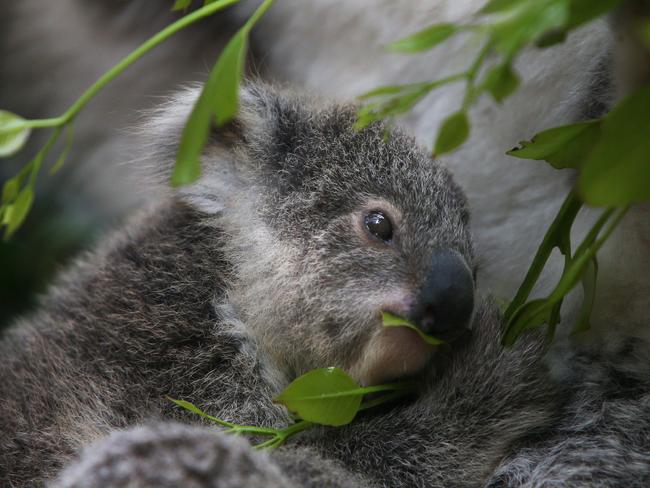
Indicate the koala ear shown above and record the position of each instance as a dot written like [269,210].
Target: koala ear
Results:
[232,154]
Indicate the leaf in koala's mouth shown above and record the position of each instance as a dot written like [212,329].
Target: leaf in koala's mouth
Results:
[390,320]
[327,396]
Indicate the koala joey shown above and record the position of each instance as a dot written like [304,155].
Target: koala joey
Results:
[280,259]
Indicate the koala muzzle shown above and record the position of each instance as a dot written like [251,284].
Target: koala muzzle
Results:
[446,301]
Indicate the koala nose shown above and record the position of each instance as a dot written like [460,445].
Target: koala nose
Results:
[446,301]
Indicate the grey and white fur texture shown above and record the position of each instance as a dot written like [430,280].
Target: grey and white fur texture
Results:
[225,291]
[51,51]
[490,417]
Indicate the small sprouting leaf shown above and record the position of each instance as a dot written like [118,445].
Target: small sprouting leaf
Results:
[589,296]
[13,133]
[327,396]
[194,409]
[181,5]
[424,39]
[454,131]
[617,171]
[501,81]
[390,320]
[562,147]
[16,213]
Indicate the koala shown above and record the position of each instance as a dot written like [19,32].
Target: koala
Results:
[224,291]
[279,260]
[336,48]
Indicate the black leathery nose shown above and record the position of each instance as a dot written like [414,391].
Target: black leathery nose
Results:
[446,300]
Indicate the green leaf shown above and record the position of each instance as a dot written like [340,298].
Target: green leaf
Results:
[194,409]
[13,133]
[390,320]
[219,96]
[501,81]
[327,396]
[617,172]
[499,6]
[181,5]
[454,131]
[589,291]
[424,39]
[557,235]
[16,213]
[562,147]
[69,138]
[529,316]
[10,189]
[229,72]
[527,24]
[383,91]
[583,11]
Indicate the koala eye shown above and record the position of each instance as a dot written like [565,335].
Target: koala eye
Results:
[379,225]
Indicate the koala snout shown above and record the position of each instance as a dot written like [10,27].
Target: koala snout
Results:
[445,303]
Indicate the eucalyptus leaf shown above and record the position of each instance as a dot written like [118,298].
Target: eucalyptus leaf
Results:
[10,189]
[390,320]
[454,131]
[528,316]
[617,172]
[500,6]
[589,296]
[219,97]
[583,11]
[69,139]
[16,213]
[501,81]
[182,5]
[326,396]
[13,133]
[424,39]
[194,409]
[528,23]
[228,73]
[563,147]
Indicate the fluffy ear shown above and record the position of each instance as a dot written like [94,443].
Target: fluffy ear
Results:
[233,153]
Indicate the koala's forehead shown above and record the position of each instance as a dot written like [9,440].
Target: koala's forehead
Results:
[321,166]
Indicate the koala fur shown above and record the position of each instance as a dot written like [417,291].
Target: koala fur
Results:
[164,308]
[585,414]
[236,290]
[336,48]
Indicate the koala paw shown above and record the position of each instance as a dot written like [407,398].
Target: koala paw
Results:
[171,455]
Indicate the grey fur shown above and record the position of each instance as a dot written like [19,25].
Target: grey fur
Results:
[225,307]
[181,303]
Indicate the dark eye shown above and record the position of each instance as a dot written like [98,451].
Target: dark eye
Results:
[379,225]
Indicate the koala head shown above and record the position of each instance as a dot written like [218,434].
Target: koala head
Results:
[327,227]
